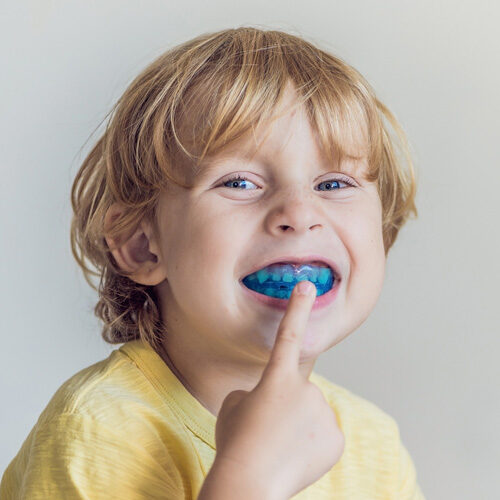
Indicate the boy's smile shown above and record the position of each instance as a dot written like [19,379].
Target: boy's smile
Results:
[273,283]
[239,214]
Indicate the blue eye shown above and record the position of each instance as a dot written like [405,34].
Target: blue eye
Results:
[333,183]
[235,180]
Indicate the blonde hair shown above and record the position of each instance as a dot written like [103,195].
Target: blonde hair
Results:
[186,106]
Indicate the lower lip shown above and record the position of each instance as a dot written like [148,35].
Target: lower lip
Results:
[321,301]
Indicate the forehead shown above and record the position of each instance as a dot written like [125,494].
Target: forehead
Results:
[290,129]
[287,134]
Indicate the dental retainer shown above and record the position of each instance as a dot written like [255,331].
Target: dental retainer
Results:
[279,280]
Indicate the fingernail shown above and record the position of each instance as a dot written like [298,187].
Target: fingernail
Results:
[304,287]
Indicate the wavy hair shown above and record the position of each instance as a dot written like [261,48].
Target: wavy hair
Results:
[186,106]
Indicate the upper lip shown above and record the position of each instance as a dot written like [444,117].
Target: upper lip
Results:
[297,259]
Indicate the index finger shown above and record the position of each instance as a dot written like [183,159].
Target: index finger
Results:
[285,354]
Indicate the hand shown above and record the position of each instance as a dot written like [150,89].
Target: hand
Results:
[282,435]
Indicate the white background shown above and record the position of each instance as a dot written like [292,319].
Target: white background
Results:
[428,354]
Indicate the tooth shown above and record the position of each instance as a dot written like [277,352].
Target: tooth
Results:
[311,273]
[262,275]
[288,272]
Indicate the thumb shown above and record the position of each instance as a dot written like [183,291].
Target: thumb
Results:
[232,399]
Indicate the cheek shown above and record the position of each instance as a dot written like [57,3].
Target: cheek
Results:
[215,241]
[366,248]
[365,234]
[208,248]
[367,228]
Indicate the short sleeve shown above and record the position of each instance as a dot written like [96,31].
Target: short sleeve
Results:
[409,488]
[77,457]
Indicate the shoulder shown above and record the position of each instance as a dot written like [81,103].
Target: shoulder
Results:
[352,409]
[84,389]
[104,428]
[372,441]
[374,453]
[113,393]
[75,455]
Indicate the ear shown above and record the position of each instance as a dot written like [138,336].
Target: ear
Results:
[140,254]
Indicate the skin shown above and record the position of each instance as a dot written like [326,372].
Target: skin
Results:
[219,340]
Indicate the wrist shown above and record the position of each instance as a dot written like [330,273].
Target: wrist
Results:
[228,478]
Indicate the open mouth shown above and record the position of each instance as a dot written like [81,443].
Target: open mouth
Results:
[278,279]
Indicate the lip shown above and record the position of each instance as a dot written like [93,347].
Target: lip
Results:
[298,259]
[320,302]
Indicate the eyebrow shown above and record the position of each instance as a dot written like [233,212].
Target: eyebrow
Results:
[348,166]
[207,166]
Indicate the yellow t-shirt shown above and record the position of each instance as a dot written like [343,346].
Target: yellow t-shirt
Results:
[126,428]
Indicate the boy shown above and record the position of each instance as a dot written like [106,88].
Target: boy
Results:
[197,279]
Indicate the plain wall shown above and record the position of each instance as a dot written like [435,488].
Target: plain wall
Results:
[427,355]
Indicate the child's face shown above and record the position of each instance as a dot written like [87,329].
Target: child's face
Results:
[212,236]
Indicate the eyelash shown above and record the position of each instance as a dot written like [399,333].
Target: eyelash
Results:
[238,177]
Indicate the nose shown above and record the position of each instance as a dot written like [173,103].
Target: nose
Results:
[295,211]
